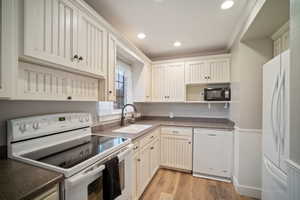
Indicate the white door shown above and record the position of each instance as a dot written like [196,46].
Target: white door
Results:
[284,110]
[111,67]
[148,87]
[158,83]
[271,76]
[212,152]
[82,88]
[91,45]
[274,182]
[219,71]
[174,84]
[50,31]
[196,72]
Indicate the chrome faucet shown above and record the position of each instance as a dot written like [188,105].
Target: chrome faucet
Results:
[122,116]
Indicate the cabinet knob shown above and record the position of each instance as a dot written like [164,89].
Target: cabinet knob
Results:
[109,91]
[139,160]
[152,148]
[190,142]
[75,57]
[69,98]
[80,58]
[135,148]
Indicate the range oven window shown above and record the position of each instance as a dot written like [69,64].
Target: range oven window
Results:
[95,189]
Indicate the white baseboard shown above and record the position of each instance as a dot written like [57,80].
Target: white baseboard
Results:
[247,190]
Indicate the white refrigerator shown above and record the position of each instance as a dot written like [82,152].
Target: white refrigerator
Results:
[275,127]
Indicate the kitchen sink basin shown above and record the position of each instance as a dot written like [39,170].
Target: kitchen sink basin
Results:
[133,129]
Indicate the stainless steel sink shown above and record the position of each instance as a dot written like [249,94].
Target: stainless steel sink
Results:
[133,129]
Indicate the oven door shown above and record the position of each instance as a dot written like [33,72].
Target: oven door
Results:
[87,185]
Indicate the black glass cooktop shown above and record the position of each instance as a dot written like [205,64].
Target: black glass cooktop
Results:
[71,153]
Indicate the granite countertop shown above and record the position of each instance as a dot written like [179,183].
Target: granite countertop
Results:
[19,181]
[223,124]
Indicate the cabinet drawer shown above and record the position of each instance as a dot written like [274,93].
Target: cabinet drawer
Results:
[212,132]
[52,194]
[177,131]
[149,137]
[136,146]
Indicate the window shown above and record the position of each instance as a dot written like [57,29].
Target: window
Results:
[123,82]
[120,88]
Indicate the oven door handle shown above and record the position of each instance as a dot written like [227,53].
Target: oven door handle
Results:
[85,175]
[123,153]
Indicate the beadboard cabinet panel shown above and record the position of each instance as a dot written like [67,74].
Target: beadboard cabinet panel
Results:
[111,68]
[219,71]
[40,83]
[50,31]
[62,35]
[168,82]
[92,45]
[196,72]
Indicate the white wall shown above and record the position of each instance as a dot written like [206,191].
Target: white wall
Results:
[183,110]
[246,111]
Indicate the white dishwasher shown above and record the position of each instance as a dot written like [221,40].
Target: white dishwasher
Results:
[213,154]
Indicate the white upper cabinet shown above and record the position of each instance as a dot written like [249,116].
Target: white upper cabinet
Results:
[92,45]
[168,82]
[60,34]
[207,71]
[111,67]
[41,83]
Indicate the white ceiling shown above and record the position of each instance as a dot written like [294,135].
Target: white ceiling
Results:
[200,25]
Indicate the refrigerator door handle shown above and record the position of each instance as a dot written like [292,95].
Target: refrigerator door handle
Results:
[282,121]
[268,167]
[274,131]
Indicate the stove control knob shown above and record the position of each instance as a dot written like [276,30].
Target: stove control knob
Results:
[87,119]
[22,128]
[80,119]
[36,125]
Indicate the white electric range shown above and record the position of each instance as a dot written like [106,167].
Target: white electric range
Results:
[64,143]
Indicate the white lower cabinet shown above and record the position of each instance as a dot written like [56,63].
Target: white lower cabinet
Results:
[213,153]
[176,147]
[52,194]
[146,162]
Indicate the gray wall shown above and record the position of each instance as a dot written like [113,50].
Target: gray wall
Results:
[16,109]
[295,82]
[183,110]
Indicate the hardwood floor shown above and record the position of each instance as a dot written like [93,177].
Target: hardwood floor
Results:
[172,185]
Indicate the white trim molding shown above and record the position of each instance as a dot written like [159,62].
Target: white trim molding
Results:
[245,190]
[293,180]
[248,162]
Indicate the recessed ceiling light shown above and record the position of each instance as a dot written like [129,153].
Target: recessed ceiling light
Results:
[177,44]
[141,36]
[227,4]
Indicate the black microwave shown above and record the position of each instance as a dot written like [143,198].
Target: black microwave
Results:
[217,94]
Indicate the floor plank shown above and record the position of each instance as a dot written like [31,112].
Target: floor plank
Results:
[173,185]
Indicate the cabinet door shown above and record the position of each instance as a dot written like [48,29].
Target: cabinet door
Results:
[219,71]
[136,176]
[91,45]
[148,82]
[196,72]
[174,84]
[112,64]
[50,31]
[82,88]
[144,167]
[213,152]
[154,157]
[158,83]
[176,152]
